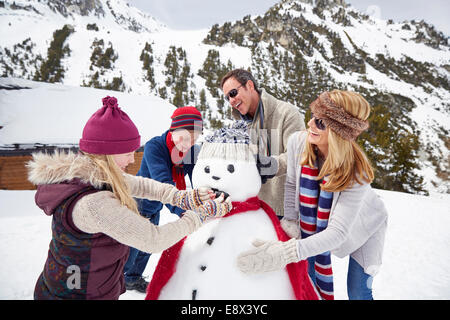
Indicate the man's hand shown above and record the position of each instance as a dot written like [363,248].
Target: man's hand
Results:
[267,167]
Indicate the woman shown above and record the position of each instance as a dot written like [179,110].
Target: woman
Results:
[329,204]
[94,216]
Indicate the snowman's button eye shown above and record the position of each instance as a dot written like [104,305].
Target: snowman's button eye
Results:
[207,169]
[230,168]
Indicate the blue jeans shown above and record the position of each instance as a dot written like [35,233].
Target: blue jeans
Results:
[137,260]
[359,283]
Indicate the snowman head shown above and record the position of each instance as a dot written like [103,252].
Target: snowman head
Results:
[227,163]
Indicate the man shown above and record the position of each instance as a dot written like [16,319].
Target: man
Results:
[167,158]
[272,121]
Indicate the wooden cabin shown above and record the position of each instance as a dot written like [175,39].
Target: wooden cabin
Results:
[14,175]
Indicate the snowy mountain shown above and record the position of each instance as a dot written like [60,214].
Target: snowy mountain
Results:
[297,49]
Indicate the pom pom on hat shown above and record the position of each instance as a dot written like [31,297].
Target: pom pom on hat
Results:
[188,118]
[110,131]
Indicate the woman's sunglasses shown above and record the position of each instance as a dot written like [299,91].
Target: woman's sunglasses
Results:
[319,123]
[233,93]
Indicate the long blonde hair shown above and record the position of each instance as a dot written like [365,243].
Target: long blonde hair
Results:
[346,161]
[112,175]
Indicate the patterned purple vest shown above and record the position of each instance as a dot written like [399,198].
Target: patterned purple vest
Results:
[80,265]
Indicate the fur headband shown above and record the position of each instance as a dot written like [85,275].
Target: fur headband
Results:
[336,118]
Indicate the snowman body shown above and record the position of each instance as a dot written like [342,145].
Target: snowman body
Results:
[206,266]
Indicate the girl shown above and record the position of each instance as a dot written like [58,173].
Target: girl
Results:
[94,216]
[329,204]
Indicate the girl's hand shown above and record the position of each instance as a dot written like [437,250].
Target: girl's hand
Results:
[192,199]
[214,208]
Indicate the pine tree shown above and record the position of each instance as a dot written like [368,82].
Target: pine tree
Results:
[392,152]
[147,65]
[162,92]
[178,77]
[171,64]
[202,106]
[212,36]
[51,69]
[213,71]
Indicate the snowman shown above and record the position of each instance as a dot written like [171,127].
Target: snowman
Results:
[203,264]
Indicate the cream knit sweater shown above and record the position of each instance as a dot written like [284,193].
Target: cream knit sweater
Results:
[102,212]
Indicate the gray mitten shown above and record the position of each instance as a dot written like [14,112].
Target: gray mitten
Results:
[291,227]
[268,256]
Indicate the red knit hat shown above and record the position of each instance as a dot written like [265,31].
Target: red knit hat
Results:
[110,131]
[188,118]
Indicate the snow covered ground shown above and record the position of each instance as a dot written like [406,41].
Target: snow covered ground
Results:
[416,256]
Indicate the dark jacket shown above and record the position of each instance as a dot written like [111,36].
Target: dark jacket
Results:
[157,165]
[79,265]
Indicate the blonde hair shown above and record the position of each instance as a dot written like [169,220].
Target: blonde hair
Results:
[346,161]
[112,175]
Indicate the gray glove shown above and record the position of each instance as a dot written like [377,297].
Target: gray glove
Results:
[267,167]
[268,256]
[291,227]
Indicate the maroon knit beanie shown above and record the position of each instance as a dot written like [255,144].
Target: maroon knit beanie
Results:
[188,118]
[110,131]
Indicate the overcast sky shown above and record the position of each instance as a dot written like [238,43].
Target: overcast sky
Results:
[199,14]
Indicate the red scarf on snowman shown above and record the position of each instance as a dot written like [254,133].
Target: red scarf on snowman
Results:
[298,274]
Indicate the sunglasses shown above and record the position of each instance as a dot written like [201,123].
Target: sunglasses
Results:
[233,93]
[319,123]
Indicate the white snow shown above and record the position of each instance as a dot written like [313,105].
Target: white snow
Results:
[55,114]
[415,263]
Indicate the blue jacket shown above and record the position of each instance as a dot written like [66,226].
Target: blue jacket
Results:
[157,165]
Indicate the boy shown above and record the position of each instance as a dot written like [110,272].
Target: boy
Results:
[167,158]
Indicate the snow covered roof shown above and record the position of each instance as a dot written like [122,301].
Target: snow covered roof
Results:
[34,114]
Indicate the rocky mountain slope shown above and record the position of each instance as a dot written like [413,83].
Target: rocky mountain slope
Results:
[297,49]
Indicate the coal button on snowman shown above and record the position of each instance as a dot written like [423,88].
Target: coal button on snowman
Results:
[210,240]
